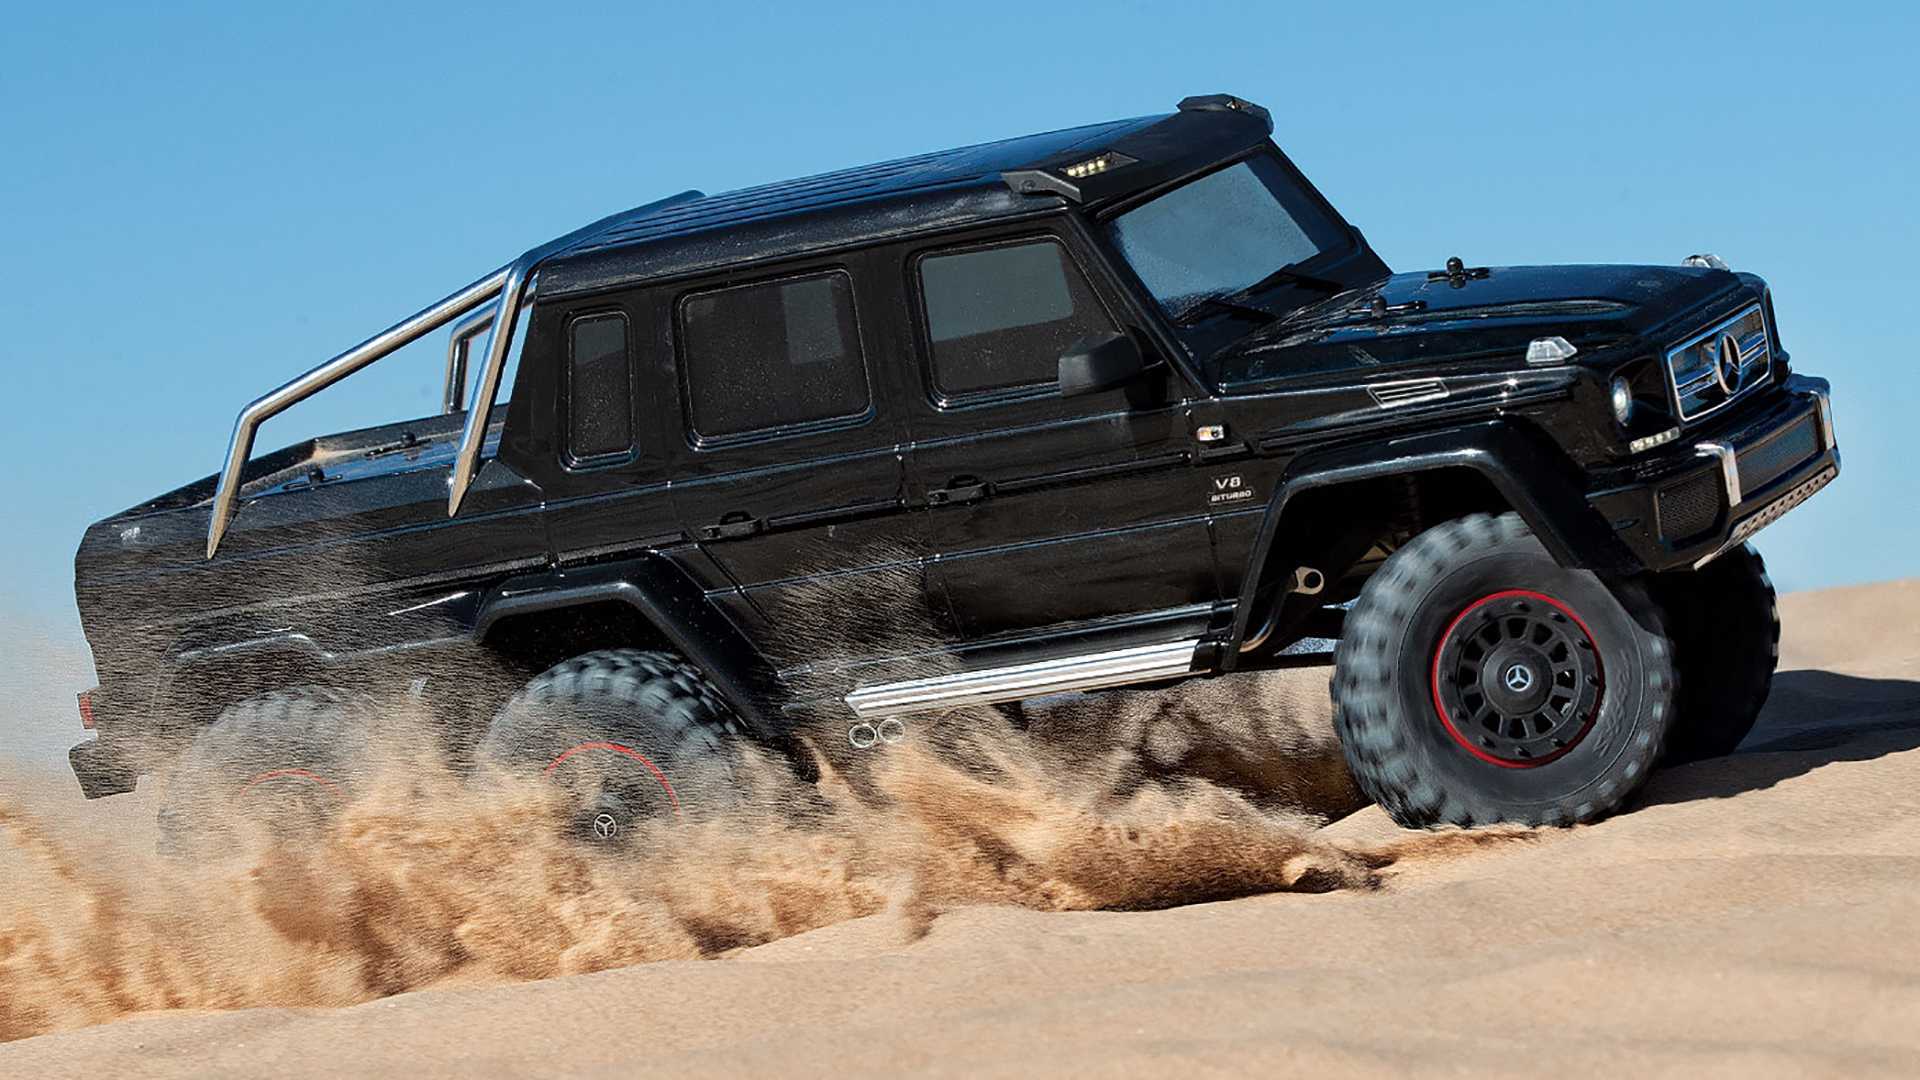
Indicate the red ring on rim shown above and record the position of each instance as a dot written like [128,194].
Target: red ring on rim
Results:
[1446,721]
[332,788]
[623,749]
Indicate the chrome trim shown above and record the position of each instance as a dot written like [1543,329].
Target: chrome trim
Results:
[1756,352]
[459,345]
[1771,513]
[246,426]
[1825,402]
[1392,395]
[499,339]
[1139,663]
[1729,467]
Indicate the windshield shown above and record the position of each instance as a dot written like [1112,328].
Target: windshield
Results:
[1213,237]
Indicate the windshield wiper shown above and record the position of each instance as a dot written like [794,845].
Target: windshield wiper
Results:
[1286,275]
[1221,303]
[1238,301]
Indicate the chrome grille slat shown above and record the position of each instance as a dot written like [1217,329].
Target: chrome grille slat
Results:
[1692,366]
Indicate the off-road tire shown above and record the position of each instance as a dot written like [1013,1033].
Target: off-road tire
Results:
[1725,624]
[644,721]
[1467,581]
[282,762]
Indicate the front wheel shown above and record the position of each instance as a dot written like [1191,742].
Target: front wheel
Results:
[1479,681]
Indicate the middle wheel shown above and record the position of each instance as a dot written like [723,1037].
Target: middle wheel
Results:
[630,736]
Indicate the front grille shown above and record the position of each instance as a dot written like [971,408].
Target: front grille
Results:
[1766,461]
[1703,380]
[1689,507]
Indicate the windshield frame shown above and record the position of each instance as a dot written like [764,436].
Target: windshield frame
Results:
[1351,262]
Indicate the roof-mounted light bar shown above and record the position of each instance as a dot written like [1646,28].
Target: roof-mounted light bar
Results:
[1068,181]
[1094,166]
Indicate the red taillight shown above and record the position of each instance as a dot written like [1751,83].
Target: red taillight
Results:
[86,708]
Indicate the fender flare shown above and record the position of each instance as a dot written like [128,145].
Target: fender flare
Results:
[670,602]
[1527,469]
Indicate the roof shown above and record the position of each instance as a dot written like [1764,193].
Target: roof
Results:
[947,188]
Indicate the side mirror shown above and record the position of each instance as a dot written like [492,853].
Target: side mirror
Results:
[1100,362]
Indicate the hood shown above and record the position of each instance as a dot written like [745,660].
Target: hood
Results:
[1432,319]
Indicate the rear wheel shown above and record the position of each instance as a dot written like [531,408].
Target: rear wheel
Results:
[629,735]
[1725,624]
[1479,681]
[279,764]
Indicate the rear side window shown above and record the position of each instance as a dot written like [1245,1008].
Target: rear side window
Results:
[774,355]
[599,388]
[998,318]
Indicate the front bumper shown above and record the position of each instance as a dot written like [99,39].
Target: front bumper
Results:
[1709,493]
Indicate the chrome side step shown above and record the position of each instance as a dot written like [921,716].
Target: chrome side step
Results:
[1141,663]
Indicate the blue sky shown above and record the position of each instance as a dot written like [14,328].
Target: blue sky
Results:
[202,200]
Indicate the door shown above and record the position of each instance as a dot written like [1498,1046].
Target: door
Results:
[1048,517]
[787,469]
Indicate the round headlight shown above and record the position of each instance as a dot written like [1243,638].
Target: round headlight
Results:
[1622,401]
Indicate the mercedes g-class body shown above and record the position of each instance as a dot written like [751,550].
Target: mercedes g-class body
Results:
[1123,404]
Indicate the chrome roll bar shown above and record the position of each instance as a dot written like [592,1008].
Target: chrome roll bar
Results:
[499,339]
[226,496]
[459,344]
[509,284]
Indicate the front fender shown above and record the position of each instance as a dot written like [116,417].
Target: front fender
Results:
[1527,469]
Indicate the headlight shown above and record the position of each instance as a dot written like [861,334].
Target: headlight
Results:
[1622,401]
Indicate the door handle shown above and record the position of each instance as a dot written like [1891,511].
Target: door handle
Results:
[960,489]
[732,526]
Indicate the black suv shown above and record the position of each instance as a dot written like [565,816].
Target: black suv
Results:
[1108,406]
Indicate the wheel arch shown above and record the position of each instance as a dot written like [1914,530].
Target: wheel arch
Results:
[646,602]
[1493,466]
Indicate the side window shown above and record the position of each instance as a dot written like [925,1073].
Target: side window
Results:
[599,388]
[998,318]
[773,355]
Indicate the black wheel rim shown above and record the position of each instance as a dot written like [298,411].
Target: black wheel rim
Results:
[1517,679]
[615,788]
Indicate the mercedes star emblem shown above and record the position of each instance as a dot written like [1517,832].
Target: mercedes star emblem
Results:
[1726,367]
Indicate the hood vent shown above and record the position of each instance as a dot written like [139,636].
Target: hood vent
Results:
[1395,394]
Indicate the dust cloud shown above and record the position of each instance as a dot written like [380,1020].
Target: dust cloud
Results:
[426,877]
[431,874]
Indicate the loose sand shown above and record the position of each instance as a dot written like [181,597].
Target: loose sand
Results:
[1753,914]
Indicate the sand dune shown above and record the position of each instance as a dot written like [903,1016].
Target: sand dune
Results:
[1754,914]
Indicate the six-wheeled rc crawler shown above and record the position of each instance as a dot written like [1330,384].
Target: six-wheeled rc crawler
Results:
[1125,404]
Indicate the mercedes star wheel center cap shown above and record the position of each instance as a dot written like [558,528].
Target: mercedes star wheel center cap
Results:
[1519,678]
